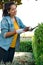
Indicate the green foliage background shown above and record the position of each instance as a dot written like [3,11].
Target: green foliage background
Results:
[25,46]
[18,2]
[37,45]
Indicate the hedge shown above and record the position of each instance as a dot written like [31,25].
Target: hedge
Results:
[37,45]
[25,46]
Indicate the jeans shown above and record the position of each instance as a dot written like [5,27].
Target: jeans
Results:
[7,56]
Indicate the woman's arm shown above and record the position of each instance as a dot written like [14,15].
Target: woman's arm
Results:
[27,29]
[8,34]
[4,29]
[19,31]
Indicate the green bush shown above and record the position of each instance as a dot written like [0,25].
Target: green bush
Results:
[37,45]
[25,46]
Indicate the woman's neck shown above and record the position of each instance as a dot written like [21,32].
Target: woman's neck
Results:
[13,19]
[12,16]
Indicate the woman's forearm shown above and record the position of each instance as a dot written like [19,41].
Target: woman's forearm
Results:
[19,31]
[8,34]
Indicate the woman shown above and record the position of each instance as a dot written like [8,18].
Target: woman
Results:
[11,27]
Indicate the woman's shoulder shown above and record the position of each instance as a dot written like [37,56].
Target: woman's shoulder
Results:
[17,17]
[4,17]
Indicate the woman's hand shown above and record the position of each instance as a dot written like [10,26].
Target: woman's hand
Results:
[28,29]
[19,31]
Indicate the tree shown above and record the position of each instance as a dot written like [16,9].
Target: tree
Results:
[18,2]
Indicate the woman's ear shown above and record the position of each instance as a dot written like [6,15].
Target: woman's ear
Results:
[8,11]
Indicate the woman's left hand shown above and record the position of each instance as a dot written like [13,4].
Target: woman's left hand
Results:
[26,29]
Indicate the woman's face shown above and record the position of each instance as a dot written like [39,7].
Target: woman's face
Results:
[12,10]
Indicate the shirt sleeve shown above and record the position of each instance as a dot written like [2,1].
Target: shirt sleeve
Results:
[4,27]
[21,24]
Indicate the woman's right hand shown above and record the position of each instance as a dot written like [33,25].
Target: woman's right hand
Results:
[15,32]
[19,31]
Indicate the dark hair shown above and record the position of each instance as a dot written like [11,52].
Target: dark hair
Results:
[6,8]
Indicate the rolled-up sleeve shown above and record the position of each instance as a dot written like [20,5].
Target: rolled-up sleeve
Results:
[4,27]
